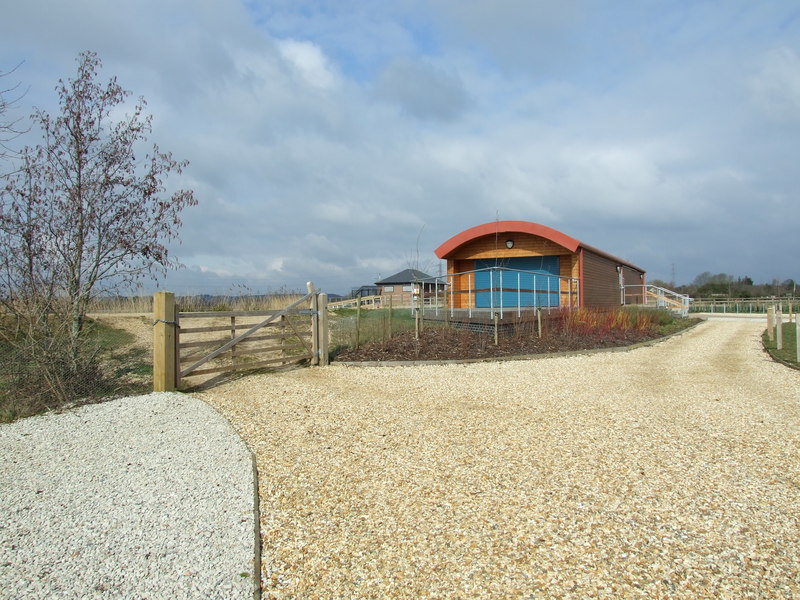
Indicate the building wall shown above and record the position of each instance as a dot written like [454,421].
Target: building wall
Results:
[633,295]
[396,295]
[491,246]
[600,275]
[600,281]
[402,294]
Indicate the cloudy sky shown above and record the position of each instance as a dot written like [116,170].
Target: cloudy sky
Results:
[341,141]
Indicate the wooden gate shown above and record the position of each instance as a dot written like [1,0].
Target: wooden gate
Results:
[191,344]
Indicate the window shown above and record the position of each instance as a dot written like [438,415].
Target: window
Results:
[388,288]
[407,288]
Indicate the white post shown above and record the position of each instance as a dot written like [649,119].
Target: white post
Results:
[452,282]
[797,336]
[770,323]
[779,330]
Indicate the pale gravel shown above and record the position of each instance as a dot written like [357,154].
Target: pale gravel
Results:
[670,471]
[142,497]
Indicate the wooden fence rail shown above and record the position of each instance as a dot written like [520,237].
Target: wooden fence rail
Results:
[190,344]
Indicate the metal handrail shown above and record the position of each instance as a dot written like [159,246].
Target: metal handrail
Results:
[497,286]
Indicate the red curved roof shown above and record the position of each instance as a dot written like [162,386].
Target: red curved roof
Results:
[495,227]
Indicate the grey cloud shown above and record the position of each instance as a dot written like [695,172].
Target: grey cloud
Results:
[533,35]
[422,90]
[776,86]
[667,147]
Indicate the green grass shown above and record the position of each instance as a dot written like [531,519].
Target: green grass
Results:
[373,325]
[106,337]
[788,353]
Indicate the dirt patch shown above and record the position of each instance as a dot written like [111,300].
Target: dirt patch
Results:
[453,344]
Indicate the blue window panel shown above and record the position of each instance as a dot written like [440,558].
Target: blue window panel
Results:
[527,283]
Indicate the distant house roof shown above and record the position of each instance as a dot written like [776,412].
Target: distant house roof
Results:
[365,290]
[406,276]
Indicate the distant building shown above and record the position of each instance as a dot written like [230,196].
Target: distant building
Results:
[365,290]
[400,287]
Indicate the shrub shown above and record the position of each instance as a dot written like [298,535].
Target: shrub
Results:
[37,374]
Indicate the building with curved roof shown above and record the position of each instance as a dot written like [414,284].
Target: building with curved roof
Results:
[520,263]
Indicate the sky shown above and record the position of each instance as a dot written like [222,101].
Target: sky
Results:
[342,141]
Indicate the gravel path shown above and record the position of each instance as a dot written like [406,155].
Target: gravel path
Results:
[142,497]
[671,471]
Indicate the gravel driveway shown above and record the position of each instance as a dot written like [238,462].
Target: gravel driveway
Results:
[671,471]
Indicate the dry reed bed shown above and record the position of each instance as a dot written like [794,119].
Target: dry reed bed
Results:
[667,471]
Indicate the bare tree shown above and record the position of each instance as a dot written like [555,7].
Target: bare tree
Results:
[82,213]
[9,128]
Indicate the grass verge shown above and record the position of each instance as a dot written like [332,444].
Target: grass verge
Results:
[788,354]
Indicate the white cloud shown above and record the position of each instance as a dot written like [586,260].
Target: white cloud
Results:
[309,62]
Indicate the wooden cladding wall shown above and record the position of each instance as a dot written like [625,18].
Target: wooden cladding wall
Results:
[491,246]
[460,284]
[600,281]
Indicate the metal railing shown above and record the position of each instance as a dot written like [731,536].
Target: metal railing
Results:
[658,297]
[498,290]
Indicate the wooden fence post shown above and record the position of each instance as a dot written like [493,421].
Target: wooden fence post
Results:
[233,335]
[164,342]
[324,339]
[779,330]
[315,317]
[797,337]
[391,314]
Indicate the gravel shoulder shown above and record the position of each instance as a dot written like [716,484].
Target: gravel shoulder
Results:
[141,497]
[667,471]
